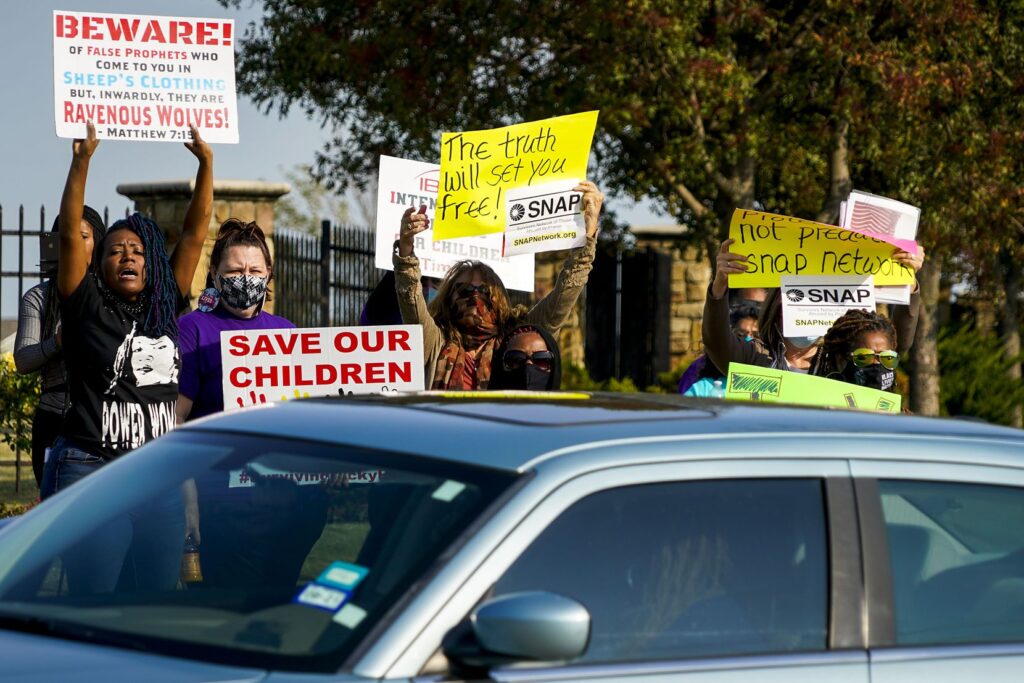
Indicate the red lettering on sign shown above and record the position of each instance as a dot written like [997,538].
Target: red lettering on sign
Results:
[326,374]
[399,372]
[236,380]
[346,342]
[238,345]
[378,341]
[375,373]
[350,373]
[398,340]
[310,343]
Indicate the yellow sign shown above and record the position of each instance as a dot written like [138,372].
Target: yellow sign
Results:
[478,166]
[782,245]
[753,383]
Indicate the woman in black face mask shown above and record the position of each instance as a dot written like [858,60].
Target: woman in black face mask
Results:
[860,349]
[527,360]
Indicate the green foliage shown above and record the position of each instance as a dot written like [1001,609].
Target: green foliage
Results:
[974,380]
[308,203]
[576,378]
[19,396]
[14,509]
[668,382]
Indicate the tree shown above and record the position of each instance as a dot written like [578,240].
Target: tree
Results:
[311,202]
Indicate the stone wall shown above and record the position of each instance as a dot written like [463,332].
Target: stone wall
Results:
[570,337]
[167,202]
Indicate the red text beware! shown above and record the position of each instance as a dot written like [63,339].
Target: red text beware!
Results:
[174,31]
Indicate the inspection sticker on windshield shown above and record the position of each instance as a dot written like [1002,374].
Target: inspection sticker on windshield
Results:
[323,597]
[350,615]
[343,575]
[447,491]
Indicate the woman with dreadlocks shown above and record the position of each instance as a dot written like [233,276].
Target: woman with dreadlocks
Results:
[471,313]
[120,337]
[859,348]
[37,346]
[119,321]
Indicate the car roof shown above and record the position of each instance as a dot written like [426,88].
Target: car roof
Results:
[511,430]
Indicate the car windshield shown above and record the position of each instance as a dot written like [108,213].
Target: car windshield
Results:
[302,547]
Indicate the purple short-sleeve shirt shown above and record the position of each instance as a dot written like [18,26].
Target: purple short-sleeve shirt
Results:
[199,339]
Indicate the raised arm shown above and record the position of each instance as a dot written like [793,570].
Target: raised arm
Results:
[553,310]
[407,280]
[197,219]
[31,351]
[72,262]
[904,318]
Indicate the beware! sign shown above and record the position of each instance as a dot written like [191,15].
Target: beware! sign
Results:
[810,305]
[262,366]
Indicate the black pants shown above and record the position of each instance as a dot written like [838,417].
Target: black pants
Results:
[45,429]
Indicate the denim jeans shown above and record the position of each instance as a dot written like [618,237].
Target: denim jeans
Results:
[137,550]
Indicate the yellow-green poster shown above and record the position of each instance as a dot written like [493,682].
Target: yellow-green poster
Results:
[754,383]
[783,245]
[478,166]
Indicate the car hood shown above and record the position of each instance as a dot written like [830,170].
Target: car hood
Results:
[44,659]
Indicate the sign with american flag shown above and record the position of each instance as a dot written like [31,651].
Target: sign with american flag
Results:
[882,218]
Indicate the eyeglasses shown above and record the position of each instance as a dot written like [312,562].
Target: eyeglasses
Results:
[466,290]
[862,358]
[542,360]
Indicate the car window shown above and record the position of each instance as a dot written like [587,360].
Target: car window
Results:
[689,569]
[957,554]
[302,548]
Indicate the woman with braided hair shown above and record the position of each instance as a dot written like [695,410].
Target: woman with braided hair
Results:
[859,348]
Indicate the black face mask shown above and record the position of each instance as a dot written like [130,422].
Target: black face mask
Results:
[874,376]
[529,377]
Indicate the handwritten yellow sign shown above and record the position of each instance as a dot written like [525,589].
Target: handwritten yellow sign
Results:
[753,383]
[477,167]
[783,245]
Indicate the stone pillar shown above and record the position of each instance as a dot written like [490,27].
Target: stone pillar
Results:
[167,201]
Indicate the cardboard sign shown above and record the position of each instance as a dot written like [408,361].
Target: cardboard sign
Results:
[402,184]
[544,218]
[882,218]
[754,383]
[783,245]
[141,77]
[263,366]
[810,305]
[478,167]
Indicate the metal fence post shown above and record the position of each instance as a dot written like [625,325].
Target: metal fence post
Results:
[325,273]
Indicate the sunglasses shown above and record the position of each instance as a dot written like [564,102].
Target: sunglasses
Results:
[542,360]
[862,358]
[466,290]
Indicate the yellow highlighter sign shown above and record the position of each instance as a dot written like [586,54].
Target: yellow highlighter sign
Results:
[478,167]
[783,245]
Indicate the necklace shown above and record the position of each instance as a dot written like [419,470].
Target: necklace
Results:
[132,308]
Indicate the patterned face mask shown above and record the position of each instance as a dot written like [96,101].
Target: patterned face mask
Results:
[243,291]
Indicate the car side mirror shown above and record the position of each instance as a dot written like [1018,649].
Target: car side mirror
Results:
[529,626]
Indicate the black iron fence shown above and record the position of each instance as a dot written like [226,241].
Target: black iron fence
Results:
[325,279]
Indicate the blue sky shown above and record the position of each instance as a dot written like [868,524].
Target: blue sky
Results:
[34,161]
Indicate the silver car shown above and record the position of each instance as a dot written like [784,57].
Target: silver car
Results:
[558,538]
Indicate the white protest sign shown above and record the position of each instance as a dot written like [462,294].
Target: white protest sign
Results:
[262,366]
[882,218]
[404,183]
[893,294]
[544,218]
[811,304]
[141,77]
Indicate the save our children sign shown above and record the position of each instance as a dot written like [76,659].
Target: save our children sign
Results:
[262,366]
[141,77]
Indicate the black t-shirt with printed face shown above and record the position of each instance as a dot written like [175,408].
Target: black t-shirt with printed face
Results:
[123,384]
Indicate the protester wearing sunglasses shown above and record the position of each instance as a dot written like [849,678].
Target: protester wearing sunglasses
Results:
[528,359]
[860,349]
[463,327]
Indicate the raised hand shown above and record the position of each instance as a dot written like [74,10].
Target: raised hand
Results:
[412,225]
[198,146]
[728,263]
[912,261]
[593,199]
[83,149]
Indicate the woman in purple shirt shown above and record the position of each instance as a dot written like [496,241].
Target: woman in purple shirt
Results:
[240,543]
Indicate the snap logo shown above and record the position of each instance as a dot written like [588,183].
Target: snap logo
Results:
[795,295]
[517,212]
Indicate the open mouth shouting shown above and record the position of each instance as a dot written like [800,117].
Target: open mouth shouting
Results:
[128,274]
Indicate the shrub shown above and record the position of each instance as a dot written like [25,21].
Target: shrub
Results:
[974,382]
[19,396]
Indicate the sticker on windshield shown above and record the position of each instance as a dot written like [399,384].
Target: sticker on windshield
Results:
[246,478]
[350,616]
[343,575]
[322,597]
[448,491]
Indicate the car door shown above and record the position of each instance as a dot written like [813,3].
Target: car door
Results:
[719,570]
[944,551]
